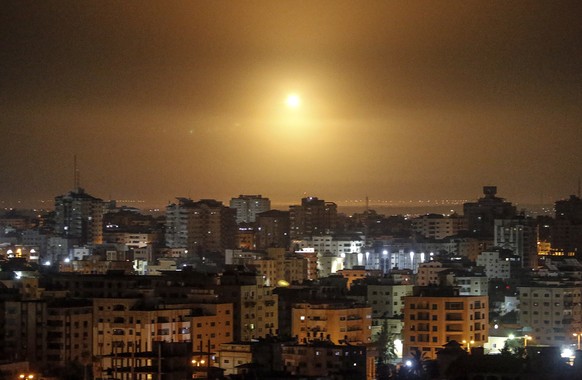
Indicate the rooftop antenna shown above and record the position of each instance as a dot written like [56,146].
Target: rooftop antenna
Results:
[76,175]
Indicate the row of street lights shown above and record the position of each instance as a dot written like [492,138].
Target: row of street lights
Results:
[526,338]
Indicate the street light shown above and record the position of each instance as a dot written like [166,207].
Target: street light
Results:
[26,376]
[578,335]
[468,343]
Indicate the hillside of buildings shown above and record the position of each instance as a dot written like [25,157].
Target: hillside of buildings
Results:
[90,290]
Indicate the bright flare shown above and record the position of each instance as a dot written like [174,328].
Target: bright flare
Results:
[293,101]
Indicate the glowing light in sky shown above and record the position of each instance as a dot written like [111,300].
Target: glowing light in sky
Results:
[293,101]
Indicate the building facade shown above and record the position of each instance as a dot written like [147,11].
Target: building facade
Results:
[79,216]
[551,311]
[313,217]
[434,316]
[202,226]
[249,206]
[340,323]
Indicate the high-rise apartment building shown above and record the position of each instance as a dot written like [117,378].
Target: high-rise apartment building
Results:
[249,206]
[69,331]
[272,229]
[313,217]
[481,215]
[567,228]
[79,216]
[519,236]
[23,329]
[254,305]
[206,225]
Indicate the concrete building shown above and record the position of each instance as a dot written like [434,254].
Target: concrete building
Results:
[428,273]
[69,332]
[355,274]
[313,217]
[340,323]
[326,360]
[272,229]
[567,228]
[311,258]
[552,311]
[131,239]
[249,206]
[481,215]
[277,266]
[23,332]
[212,325]
[386,297]
[438,226]
[254,304]
[125,326]
[519,236]
[472,282]
[79,216]
[496,266]
[434,316]
[328,264]
[232,355]
[337,245]
[202,226]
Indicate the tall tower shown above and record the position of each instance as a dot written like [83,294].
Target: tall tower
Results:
[248,206]
[313,217]
[481,215]
[203,226]
[79,216]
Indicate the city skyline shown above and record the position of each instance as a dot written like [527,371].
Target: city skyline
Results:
[401,102]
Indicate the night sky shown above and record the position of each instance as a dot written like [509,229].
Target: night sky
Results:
[401,100]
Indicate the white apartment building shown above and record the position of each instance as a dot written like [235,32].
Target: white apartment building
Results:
[336,245]
[495,266]
[130,239]
[248,206]
[438,226]
[387,300]
[472,285]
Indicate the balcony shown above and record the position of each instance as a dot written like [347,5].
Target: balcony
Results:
[423,327]
[454,306]
[423,317]
[454,317]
